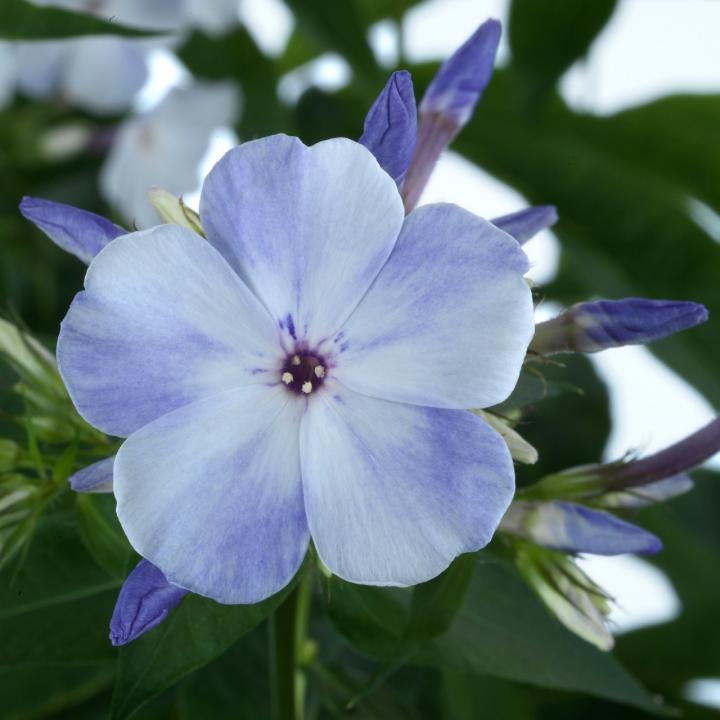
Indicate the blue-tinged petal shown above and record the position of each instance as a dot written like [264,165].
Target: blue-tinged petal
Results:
[82,233]
[527,223]
[577,529]
[211,494]
[448,320]
[594,326]
[145,600]
[308,228]
[95,478]
[394,492]
[391,126]
[459,83]
[162,322]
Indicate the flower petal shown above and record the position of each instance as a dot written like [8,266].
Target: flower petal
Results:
[308,228]
[163,321]
[145,600]
[391,126]
[394,492]
[211,494]
[525,224]
[95,478]
[448,320]
[79,232]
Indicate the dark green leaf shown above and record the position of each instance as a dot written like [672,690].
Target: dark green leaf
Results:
[57,608]
[196,632]
[101,532]
[337,26]
[501,630]
[547,36]
[22,20]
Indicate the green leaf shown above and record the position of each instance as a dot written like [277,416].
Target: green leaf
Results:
[547,36]
[101,532]
[22,20]
[340,27]
[57,606]
[196,632]
[502,630]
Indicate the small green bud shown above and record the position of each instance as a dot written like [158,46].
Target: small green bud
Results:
[173,210]
[520,449]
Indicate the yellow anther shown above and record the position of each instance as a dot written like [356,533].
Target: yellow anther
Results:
[307,387]
[287,378]
[319,371]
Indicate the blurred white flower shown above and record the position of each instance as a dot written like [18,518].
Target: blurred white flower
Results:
[164,148]
[98,74]
[213,16]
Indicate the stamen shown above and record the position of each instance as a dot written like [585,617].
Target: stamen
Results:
[307,387]
[287,378]
[295,360]
[319,371]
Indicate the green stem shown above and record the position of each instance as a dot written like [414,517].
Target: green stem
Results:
[288,640]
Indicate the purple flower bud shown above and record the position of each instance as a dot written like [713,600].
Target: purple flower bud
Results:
[527,223]
[576,529]
[594,326]
[449,103]
[82,233]
[391,126]
[650,494]
[144,601]
[456,88]
[95,478]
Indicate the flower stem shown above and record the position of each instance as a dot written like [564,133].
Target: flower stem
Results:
[288,635]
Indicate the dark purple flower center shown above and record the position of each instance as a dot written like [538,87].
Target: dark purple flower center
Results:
[303,373]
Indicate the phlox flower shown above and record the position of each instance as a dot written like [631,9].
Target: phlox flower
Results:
[302,373]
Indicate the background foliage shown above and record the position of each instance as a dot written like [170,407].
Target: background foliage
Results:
[475,643]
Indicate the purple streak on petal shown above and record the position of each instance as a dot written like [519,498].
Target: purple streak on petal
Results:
[144,601]
[79,232]
[448,104]
[594,326]
[527,223]
[391,126]
[456,88]
[95,478]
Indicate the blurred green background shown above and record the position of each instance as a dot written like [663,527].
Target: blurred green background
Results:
[625,186]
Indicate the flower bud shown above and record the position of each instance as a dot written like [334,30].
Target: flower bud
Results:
[95,478]
[144,601]
[645,495]
[449,103]
[81,233]
[594,326]
[173,210]
[575,600]
[520,449]
[576,529]
[391,126]
[527,223]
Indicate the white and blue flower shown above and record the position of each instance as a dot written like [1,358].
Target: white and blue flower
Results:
[303,373]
